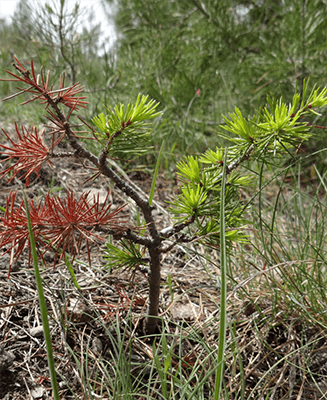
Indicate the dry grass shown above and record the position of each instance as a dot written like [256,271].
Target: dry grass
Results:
[275,348]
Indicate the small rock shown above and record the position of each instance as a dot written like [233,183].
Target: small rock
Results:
[97,345]
[6,359]
[185,311]
[5,262]
[37,392]
[78,311]
[87,282]
[37,331]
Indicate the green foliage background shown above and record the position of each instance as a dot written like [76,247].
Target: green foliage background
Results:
[198,59]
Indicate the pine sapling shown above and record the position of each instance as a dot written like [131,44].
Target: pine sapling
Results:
[65,224]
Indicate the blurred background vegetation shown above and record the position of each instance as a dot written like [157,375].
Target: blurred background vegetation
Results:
[199,59]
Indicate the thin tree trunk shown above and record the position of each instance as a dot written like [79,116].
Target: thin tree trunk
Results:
[151,321]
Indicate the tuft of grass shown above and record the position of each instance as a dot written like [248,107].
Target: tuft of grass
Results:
[291,228]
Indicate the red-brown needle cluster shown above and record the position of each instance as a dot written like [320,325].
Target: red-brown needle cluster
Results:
[27,154]
[38,85]
[62,224]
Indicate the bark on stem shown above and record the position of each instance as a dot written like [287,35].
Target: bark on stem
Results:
[151,321]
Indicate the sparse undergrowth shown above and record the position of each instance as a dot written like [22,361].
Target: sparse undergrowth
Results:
[276,314]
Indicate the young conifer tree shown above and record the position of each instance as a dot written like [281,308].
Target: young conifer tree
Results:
[65,224]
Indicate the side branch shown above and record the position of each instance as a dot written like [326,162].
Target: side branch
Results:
[126,235]
[236,163]
[172,230]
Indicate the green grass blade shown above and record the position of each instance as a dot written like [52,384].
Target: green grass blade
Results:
[43,306]
[71,271]
[223,293]
[155,174]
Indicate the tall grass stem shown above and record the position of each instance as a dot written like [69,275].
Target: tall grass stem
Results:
[223,293]
[43,306]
